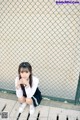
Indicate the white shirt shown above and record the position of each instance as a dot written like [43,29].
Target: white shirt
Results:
[29,91]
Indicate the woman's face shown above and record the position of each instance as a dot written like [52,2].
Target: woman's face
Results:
[24,73]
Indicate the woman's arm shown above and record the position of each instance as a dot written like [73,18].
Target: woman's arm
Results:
[18,89]
[18,82]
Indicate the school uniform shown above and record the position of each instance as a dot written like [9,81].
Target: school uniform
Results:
[29,92]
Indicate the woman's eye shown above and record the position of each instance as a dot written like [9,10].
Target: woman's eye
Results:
[24,71]
[21,71]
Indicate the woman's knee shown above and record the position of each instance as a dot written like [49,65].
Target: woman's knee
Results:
[29,101]
[22,99]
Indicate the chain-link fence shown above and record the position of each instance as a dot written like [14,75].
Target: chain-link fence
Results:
[46,35]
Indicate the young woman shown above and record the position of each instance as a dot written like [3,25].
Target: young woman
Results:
[27,89]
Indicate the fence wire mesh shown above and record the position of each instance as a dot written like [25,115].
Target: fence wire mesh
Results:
[46,35]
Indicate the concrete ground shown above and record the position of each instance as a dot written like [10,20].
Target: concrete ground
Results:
[47,110]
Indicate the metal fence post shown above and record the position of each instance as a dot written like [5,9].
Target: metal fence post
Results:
[77,97]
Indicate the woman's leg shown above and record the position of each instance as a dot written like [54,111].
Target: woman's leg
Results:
[29,101]
[22,99]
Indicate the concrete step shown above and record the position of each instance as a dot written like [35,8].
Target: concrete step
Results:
[10,108]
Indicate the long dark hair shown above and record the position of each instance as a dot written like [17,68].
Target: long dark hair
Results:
[26,65]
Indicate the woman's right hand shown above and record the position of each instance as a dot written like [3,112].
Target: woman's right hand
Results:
[18,83]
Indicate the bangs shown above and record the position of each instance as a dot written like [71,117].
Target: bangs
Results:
[24,70]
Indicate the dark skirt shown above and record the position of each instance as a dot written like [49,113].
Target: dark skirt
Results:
[37,97]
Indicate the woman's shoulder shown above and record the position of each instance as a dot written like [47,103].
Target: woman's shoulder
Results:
[35,79]
[17,78]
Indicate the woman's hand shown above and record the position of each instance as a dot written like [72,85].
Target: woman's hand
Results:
[25,82]
[22,81]
[18,83]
